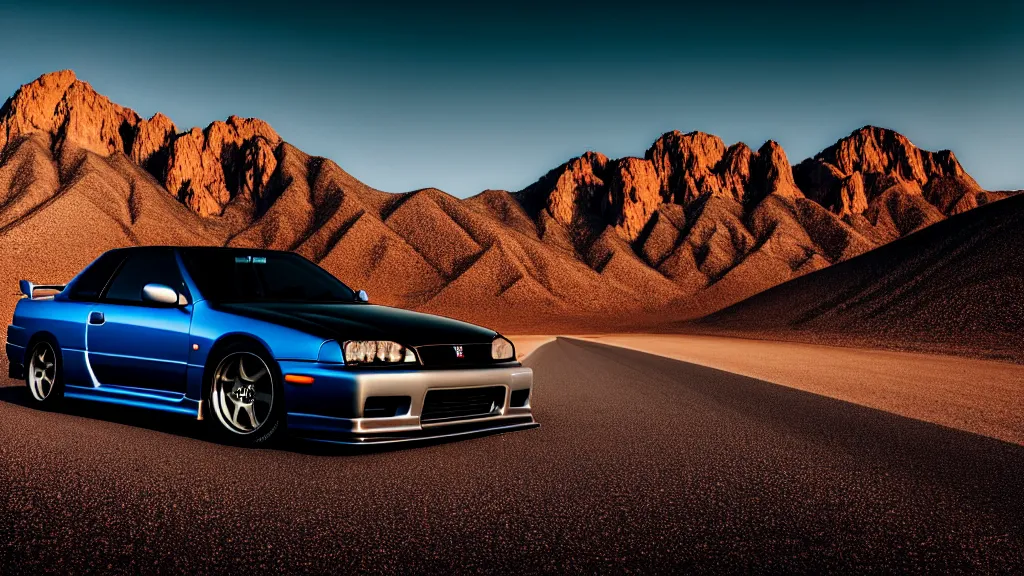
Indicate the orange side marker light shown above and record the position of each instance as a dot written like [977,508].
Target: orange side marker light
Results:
[298,379]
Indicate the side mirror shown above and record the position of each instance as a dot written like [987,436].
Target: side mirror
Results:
[362,296]
[163,295]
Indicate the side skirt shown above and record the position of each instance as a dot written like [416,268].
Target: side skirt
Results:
[173,402]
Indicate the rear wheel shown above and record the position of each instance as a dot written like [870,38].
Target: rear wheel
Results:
[43,375]
[246,399]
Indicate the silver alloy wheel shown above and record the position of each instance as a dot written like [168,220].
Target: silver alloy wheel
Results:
[42,371]
[242,396]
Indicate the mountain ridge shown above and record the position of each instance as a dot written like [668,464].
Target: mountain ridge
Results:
[690,227]
[952,288]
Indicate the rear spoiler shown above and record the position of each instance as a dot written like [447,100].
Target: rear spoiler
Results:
[29,289]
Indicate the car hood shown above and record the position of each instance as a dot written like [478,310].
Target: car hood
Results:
[364,322]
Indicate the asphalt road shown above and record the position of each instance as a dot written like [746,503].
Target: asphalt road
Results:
[641,464]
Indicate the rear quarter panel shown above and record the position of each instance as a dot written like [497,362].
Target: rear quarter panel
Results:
[64,321]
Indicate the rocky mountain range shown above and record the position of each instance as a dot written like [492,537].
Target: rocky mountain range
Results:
[687,229]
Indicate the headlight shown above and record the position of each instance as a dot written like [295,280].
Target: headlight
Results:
[502,349]
[377,352]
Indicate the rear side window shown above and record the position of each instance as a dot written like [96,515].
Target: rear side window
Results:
[156,266]
[89,285]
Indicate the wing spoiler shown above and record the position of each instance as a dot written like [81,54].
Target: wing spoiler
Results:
[29,289]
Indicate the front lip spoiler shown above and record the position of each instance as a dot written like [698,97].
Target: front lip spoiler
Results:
[430,434]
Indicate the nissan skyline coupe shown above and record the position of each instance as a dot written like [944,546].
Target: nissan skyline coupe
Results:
[257,343]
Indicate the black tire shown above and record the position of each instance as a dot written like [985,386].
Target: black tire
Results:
[232,408]
[44,374]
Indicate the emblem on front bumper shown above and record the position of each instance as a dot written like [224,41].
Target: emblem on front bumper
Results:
[458,351]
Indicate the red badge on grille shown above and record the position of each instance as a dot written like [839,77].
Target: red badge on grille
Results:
[458,351]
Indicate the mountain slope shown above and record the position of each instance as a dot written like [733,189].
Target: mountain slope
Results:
[956,286]
[597,243]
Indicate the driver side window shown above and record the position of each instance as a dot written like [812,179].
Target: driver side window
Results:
[156,266]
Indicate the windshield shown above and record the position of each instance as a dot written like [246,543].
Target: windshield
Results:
[261,276]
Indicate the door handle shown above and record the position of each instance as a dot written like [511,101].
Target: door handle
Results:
[96,318]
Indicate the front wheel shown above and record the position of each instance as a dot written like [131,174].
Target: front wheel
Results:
[43,375]
[246,399]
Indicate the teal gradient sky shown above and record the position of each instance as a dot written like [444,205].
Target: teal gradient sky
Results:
[475,96]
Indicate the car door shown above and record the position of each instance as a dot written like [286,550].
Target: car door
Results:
[132,342]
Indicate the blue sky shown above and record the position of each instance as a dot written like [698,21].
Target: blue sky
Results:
[466,97]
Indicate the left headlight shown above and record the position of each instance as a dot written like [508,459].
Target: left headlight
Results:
[377,352]
[502,349]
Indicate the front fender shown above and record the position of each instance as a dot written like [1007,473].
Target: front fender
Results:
[210,325]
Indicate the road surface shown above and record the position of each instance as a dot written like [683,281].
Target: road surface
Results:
[970,394]
[642,463]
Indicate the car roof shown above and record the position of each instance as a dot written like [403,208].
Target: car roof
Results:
[199,249]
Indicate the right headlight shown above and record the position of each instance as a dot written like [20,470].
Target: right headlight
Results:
[502,349]
[377,352]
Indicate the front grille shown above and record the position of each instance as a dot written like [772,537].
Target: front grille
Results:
[446,355]
[462,403]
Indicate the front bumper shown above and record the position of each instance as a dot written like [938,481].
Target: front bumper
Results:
[331,408]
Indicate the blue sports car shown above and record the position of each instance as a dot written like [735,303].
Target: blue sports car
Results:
[256,342]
